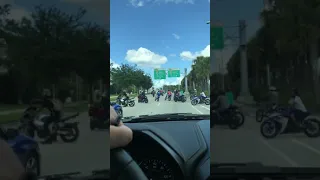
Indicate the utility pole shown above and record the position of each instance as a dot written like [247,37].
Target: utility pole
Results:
[245,96]
[185,81]
[266,7]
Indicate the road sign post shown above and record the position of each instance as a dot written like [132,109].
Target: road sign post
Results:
[173,72]
[160,74]
[217,37]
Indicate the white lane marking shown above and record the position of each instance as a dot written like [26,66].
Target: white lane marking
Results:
[206,108]
[158,104]
[281,154]
[196,109]
[306,146]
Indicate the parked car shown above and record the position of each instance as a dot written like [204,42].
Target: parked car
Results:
[26,148]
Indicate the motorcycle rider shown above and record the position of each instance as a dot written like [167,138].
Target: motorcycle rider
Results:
[169,93]
[299,110]
[221,103]
[230,97]
[125,96]
[56,107]
[141,95]
[273,97]
[202,96]
[158,94]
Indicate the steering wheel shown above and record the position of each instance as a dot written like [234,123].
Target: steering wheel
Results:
[123,167]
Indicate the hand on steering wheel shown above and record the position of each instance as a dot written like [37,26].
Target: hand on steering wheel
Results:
[123,166]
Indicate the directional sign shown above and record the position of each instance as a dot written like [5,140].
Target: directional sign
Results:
[174,73]
[217,38]
[160,74]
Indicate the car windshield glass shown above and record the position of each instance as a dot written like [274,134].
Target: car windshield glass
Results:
[158,76]
[53,58]
[264,58]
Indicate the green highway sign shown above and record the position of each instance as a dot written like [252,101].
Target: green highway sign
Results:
[217,38]
[160,74]
[174,73]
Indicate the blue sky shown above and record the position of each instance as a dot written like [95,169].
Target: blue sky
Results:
[97,10]
[229,12]
[159,33]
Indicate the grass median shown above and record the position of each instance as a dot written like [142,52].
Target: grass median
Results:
[15,116]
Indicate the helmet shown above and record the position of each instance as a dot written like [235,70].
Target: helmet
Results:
[272,88]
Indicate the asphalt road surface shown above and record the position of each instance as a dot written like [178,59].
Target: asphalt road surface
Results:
[90,152]
[161,107]
[247,145]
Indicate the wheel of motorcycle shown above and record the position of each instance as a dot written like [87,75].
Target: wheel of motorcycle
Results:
[207,101]
[259,115]
[120,113]
[194,102]
[73,137]
[175,100]
[312,128]
[241,116]
[131,104]
[234,122]
[31,163]
[146,101]
[265,125]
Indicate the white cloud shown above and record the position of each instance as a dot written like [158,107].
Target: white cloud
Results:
[162,82]
[176,36]
[114,64]
[145,57]
[140,3]
[188,55]
[173,55]
[136,3]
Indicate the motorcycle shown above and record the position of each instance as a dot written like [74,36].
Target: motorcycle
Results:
[261,113]
[181,98]
[282,123]
[32,124]
[193,96]
[143,99]
[125,103]
[196,100]
[231,117]
[157,98]
[169,97]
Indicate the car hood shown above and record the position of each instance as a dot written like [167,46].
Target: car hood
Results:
[20,140]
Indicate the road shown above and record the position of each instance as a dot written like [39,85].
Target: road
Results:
[247,145]
[161,107]
[90,152]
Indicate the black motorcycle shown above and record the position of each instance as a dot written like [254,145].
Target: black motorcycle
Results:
[232,117]
[181,98]
[31,123]
[143,99]
[282,123]
[125,102]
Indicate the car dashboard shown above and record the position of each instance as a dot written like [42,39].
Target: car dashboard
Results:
[172,149]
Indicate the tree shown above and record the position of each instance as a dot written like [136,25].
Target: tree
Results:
[127,76]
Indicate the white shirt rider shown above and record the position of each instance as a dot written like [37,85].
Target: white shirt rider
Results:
[297,103]
[202,94]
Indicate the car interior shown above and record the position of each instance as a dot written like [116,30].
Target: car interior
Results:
[164,150]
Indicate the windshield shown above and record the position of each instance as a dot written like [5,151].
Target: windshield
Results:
[260,39]
[54,55]
[160,71]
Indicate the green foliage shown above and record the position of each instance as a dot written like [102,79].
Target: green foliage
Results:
[51,44]
[129,77]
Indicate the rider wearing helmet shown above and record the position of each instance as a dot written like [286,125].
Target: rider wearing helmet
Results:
[221,103]
[273,96]
[299,110]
